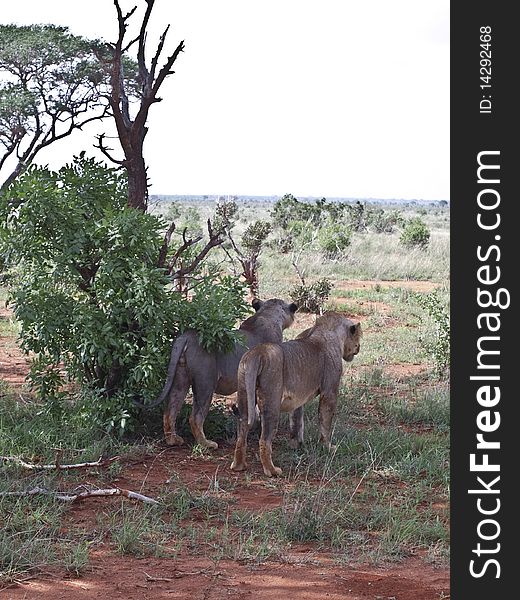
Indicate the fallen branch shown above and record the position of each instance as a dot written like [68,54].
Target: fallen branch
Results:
[66,497]
[57,465]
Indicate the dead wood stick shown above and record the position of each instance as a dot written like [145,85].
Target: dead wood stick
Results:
[57,465]
[66,497]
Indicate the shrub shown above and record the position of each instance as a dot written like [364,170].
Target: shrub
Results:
[312,298]
[92,304]
[438,346]
[384,221]
[254,237]
[288,209]
[334,239]
[415,233]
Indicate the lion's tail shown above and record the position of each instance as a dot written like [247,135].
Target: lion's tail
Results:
[178,349]
[252,369]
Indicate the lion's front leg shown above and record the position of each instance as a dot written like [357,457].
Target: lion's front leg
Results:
[327,410]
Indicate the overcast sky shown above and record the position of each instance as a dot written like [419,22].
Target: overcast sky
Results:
[342,98]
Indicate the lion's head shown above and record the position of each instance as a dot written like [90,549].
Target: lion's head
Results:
[275,305]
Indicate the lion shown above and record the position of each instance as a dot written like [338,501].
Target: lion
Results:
[208,373]
[282,378]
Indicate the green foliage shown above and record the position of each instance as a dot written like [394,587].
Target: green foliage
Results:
[289,209]
[327,226]
[52,83]
[415,233]
[312,298]
[384,221]
[357,216]
[226,214]
[254,236]
[213,312]
[186,218]
[189,220]
[438,346]
[91,302]
[334,239]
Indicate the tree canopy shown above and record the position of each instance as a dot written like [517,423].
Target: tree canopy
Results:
[51,83]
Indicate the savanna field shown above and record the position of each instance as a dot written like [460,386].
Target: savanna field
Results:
[367,520]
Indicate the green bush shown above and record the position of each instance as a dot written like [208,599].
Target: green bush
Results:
[384,221]
[415,233]
[334,239]
[438,344]
[92,303]
[312,298]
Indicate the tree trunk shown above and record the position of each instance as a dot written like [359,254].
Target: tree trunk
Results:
[137,183]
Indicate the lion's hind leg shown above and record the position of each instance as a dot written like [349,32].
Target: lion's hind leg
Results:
[202,395]
[179,390]
[270,414]
[327,410]
[296,428]
[239,461]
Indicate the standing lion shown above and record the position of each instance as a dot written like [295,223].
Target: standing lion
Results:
[282,378]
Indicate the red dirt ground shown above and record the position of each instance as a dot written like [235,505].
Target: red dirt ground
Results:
[201,579]
[305,572]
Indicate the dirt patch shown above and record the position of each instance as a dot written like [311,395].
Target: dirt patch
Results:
[403,371]
[201,579]
[14,365]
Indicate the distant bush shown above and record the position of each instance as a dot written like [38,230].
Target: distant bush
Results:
[312,298]
[415,233]
[289,209]
[334,239]
[384,221]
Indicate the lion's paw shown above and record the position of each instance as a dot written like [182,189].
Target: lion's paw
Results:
[238,466]
[273,472]
[209,444]
[174,440]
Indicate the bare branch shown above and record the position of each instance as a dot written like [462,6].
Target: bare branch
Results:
[106,151]
[57,465]
[186,243]
[165,245]
[215,239]
[166,69]
[130,44]
[155,59]
[294,260]
[71,497]
[141,60]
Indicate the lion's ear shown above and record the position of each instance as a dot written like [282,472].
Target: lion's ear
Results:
[354,328]
[293,307]
[256,303]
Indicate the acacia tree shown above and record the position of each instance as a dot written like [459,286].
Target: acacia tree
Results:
[51,84]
